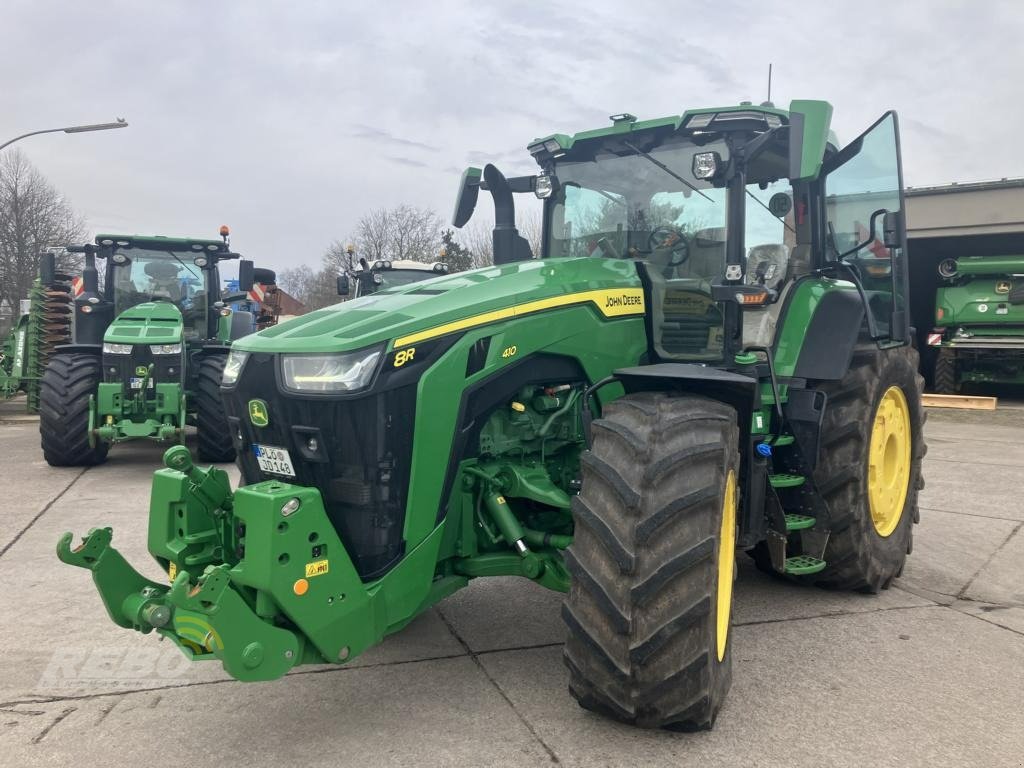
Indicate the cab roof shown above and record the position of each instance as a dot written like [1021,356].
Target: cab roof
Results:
[161,243]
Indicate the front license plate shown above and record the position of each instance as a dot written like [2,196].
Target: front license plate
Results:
[276,461]
[136,383]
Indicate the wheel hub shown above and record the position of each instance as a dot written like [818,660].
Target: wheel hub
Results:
[889,461]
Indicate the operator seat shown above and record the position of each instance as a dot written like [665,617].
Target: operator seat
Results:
[760,262]
[164,277]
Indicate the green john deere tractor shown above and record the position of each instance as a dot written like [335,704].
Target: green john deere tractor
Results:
[694,366]
[148,350]
[979,322]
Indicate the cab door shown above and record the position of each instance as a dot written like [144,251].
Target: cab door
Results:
[866,225]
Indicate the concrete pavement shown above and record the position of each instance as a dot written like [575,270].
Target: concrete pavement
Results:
[929,673]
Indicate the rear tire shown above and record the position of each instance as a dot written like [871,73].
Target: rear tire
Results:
[68,382]
[859,556]
[648,640]
[944,376]
[214,432]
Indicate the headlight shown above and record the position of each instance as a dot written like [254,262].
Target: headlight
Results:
[116,349]
[233,367]
[705,165]
[165,349]
[345,372]
[543,186]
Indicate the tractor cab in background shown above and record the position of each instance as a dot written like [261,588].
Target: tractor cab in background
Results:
[383,273]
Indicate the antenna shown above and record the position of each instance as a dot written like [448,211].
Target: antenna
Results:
[769,81]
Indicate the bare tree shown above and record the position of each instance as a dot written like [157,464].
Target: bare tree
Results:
[478,237]
[34,216]
[314,289]
[402,232]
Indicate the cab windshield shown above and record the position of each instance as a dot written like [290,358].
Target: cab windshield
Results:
[636,206]
[393,277]
[162,276]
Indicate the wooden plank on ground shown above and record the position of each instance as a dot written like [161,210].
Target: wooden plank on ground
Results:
[970,402]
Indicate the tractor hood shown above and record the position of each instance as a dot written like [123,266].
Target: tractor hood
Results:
[155,322]
[432,308]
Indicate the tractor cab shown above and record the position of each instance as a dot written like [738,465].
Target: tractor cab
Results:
[722,211]
[385,273]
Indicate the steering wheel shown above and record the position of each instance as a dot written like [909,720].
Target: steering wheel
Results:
[672,239]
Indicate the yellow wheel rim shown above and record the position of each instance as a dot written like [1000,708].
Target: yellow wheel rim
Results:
[726,562]
[889,461]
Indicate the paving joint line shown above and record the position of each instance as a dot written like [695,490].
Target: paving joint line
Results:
[837,615]
[197,683]
[17,537]
[969,514]
[473,655]
[970,581]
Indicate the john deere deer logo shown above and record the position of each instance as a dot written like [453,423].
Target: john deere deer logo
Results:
[258,413]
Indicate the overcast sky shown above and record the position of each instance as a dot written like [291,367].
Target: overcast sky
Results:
[288,120]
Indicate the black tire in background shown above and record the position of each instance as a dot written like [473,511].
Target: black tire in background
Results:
[68,382]
[647,643]
[944,374]
[859,557]
[214,434]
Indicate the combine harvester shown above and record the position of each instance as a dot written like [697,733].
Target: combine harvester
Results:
[695,366]
[979,323]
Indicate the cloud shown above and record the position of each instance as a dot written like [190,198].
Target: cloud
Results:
[289,120]
[381,136]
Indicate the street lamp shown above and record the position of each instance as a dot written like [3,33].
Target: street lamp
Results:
[121,123]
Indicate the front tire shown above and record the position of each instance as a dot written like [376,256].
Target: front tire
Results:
[653,562]
[69,381]
[869,469]
[214,432]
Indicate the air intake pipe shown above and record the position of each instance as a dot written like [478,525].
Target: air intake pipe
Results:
[509,245]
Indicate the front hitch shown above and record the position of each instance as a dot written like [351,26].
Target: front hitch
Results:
[260,578]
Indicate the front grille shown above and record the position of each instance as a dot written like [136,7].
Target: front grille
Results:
[355,449]
[121,369]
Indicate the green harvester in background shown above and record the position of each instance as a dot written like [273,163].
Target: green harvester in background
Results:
[979,322]
[696,364]
[148,350]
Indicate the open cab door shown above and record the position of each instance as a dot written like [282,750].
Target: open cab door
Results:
[866,225]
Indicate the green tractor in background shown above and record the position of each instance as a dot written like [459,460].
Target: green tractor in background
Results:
[148,350]
[696,365]
[979,322]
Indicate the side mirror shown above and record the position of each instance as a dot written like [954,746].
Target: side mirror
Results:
[343,285]
[47,268]
[245,275]
[465,203]
[892,229]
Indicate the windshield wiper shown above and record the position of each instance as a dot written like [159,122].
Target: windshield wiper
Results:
[186,266]
[760,202]
[666,169]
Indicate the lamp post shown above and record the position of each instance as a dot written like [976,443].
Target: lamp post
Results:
[121,123]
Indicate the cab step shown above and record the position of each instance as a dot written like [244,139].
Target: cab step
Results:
[780,440]
[795,522]
[801,565]
[786,481]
